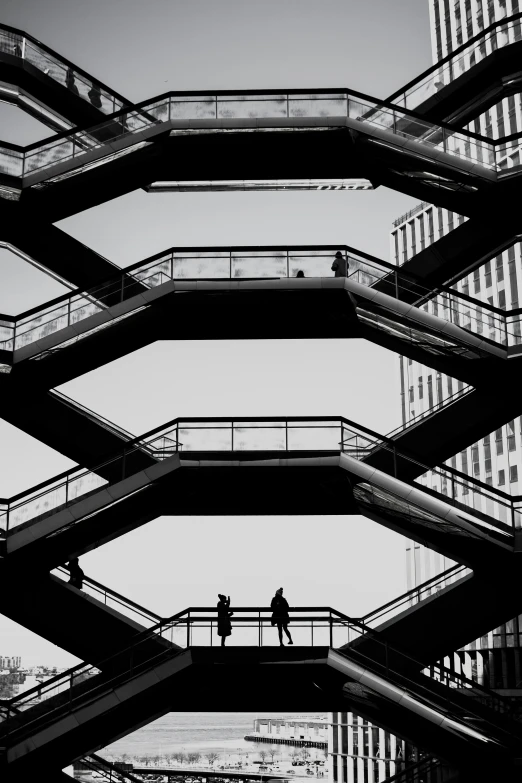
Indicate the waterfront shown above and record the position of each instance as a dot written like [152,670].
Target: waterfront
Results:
[195,732]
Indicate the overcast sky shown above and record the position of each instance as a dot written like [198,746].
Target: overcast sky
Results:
[144,49]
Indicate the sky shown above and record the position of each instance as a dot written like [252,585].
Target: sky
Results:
[144,49]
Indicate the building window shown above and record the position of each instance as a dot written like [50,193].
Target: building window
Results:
[499,269]
[487,272]
[413,241]
[501,478]
[421,389]
[499,442]
[513,474]
[429,213]
[511,436]
[476,281]
[412,398]
[430,392]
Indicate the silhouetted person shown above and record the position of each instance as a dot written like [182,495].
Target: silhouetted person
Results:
[95,96]
[70,83]
[224,615]
[340,265]
[17,50]
[300,273]
[77,574]
[280,616]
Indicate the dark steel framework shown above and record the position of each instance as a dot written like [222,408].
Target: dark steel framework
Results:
[133,143]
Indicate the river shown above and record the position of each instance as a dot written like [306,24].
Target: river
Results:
[189,732]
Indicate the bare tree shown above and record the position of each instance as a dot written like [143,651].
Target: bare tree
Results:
[212,758]
[181,757]
[272,753]
[262,755]
[305,753]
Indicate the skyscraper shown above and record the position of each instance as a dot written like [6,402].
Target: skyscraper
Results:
[360,751]
[497,459]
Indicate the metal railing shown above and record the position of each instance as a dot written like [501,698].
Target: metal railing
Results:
[113,600]
[324,627]
[428,589]
[493,509]
[492,324]
[28,49]
[135,125]
[105,771]
[476,49]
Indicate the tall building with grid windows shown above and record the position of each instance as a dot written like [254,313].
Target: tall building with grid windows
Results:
[358,750]
[495,659]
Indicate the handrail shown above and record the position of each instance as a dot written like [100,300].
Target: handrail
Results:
[294,91]
[415,591]
[188,615]
[415,420]
[117,597]
[455,53]
[348,249]
[383,441]
[53,53]
[487,699]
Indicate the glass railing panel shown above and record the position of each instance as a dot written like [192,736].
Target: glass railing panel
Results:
[35,327]
[68,77]
[316,105]
[49,155]
[249,106]
[50,499]
[313,263]
[471,496]
[434,82]
[6,335]
[11,162]
[243,106]
[429,589]
[193,107]
[514,329]
[201,265]
[11,43]
[3,517]
[258,264]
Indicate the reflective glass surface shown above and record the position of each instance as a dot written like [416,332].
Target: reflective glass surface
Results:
[505,33]
[231,264]
[154,116]
[52,66]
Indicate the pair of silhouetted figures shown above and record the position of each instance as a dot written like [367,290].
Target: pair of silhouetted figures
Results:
[339,266]
[280,616]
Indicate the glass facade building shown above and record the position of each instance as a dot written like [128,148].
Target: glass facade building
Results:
[360,751]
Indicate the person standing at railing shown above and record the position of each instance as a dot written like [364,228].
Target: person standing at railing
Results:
[224,628]
[77,574]
[70,83]
[95,96]
[340,265]
[280,616]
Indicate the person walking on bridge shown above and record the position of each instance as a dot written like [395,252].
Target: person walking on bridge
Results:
[224,615]
[280,616]
[340,265]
